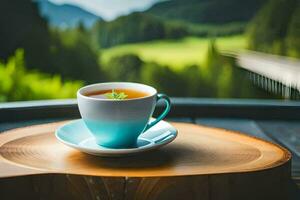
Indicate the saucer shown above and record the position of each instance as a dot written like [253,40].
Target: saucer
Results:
[76,135]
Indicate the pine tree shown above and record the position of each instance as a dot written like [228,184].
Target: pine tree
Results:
[268,30]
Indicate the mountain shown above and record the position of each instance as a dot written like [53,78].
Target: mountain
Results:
[207,11]
[176,19]
[66,15]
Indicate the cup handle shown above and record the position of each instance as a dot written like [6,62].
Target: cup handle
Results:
[165,112]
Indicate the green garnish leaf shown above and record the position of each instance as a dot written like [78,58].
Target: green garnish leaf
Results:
[114,95]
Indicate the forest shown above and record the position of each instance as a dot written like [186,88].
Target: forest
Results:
[42,61]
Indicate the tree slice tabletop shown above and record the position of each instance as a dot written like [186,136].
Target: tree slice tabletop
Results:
[202,162]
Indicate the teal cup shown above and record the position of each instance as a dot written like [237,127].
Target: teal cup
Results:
[118,123]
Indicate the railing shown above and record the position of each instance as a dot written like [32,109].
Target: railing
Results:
[181,107]
[276,74]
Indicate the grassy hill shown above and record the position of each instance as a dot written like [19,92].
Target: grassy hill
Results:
[174,53]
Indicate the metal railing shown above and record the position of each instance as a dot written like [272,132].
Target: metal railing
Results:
[181,107]
[276,74]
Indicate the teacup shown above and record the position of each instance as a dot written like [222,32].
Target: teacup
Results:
[118,123]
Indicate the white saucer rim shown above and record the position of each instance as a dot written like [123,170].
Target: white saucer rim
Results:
[115,151]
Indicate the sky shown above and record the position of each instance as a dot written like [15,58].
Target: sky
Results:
[109,9]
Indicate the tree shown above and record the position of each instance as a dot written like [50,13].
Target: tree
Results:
[268,30]
[293,35]
[22,27]
[73,56]
[135,27]
[18,83]
[124,68]
[69,52]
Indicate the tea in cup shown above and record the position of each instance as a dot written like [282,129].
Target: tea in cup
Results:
[116,113]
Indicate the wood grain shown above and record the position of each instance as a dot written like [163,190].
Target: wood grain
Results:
[202,163]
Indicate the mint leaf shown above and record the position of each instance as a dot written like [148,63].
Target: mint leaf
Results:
[115,95]
[122,95]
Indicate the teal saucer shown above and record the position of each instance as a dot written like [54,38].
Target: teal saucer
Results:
[76,135]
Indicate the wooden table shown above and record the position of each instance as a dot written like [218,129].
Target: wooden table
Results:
[202,163]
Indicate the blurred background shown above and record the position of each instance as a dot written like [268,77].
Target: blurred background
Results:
[184,48]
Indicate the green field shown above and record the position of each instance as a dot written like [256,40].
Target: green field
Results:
[175,53]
